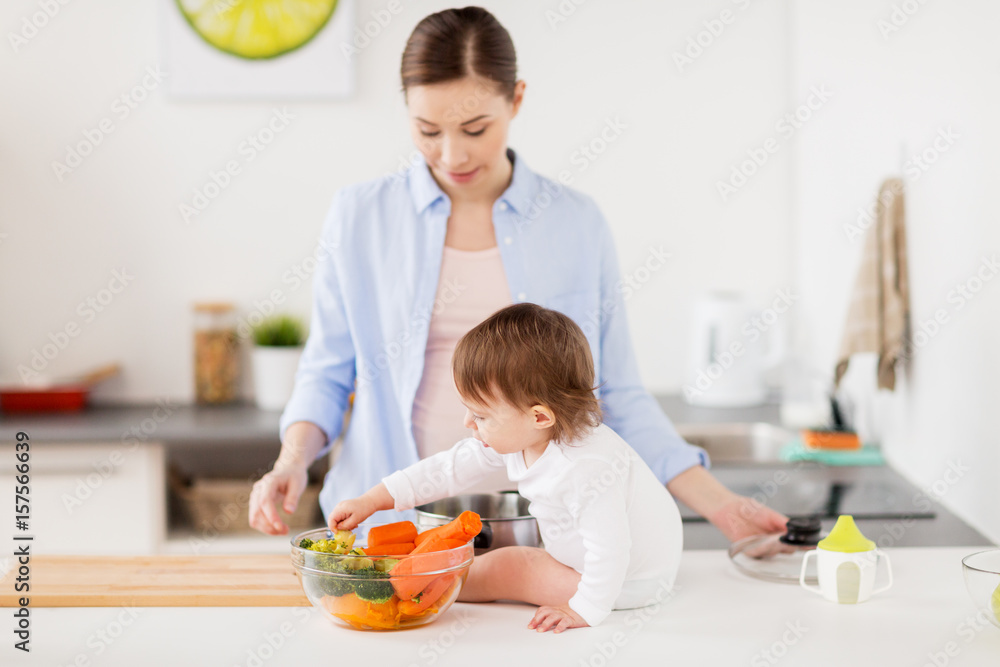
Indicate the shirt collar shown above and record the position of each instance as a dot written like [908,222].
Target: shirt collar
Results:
[519,195]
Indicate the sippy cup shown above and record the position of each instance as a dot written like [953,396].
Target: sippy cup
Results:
[845,563]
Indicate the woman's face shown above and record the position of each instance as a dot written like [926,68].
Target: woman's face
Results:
[460,127]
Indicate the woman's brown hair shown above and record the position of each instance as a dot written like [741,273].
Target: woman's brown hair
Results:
[528,355]
[456,43]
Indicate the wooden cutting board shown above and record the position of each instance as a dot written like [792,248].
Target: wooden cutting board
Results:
[158,581]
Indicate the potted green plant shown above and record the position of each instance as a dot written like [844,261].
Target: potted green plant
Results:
[278,342]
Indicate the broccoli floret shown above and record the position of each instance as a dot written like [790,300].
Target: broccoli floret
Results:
[342,543]
[355,563]
[335,586]
[306,543]
[325,546]
[376,587]
[358,568]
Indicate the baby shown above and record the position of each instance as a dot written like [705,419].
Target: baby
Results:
[611,531]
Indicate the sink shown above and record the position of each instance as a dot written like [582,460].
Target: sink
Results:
[740,443]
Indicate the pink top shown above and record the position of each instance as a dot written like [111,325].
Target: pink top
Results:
[472,287]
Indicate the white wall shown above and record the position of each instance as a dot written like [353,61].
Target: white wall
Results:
[893,95]
[119,209]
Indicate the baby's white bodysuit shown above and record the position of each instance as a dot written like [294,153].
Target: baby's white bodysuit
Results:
[599,507]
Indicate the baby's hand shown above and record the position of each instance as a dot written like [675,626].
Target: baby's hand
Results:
[556,619]
[349,513]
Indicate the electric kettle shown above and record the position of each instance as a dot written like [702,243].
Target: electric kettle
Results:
[734,345]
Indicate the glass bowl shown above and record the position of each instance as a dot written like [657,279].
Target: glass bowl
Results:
[392,597]
[982,580]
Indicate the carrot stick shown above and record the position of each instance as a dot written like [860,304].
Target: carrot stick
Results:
[436,552]
[431,594]
[389,549]
[464,527]
[408,575]
[443,545]
[400,532]
[427,534]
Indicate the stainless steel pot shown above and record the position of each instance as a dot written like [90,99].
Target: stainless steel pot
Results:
[505,517]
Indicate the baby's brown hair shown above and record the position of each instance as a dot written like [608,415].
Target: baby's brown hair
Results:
[529,355]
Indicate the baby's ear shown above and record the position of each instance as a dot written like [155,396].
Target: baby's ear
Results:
[543,416]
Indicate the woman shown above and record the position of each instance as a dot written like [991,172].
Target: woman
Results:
[422,257]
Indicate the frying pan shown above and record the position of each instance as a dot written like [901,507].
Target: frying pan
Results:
[66,395]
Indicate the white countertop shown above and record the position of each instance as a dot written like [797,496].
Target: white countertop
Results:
[717,617]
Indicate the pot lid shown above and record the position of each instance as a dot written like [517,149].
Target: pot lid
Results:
[778,557]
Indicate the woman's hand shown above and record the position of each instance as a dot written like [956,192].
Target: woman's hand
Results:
[742,517]
[734,515]
[349,513]
[284,484]
[556,619]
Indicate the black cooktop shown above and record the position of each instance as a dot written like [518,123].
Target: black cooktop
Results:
[807,488]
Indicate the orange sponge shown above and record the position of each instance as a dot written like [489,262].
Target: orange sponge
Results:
[815,439]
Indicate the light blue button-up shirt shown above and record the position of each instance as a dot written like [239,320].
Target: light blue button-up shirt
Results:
[374,294]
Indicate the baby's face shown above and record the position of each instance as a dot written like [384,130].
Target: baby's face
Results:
[505,428]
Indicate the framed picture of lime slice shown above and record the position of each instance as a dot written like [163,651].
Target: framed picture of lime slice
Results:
[257,28]
[271,49]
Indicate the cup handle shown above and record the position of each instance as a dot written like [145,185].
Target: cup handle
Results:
[802,575]
[888,567]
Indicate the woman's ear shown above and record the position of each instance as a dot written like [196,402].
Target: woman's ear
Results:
[519,87]
[543,417]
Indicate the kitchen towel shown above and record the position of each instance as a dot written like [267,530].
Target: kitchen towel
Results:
[880,303]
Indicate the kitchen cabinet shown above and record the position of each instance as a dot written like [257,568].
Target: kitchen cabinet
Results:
[92,498]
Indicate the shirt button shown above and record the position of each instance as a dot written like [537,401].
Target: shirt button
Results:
[503,206]
[521,296]
[508,240]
